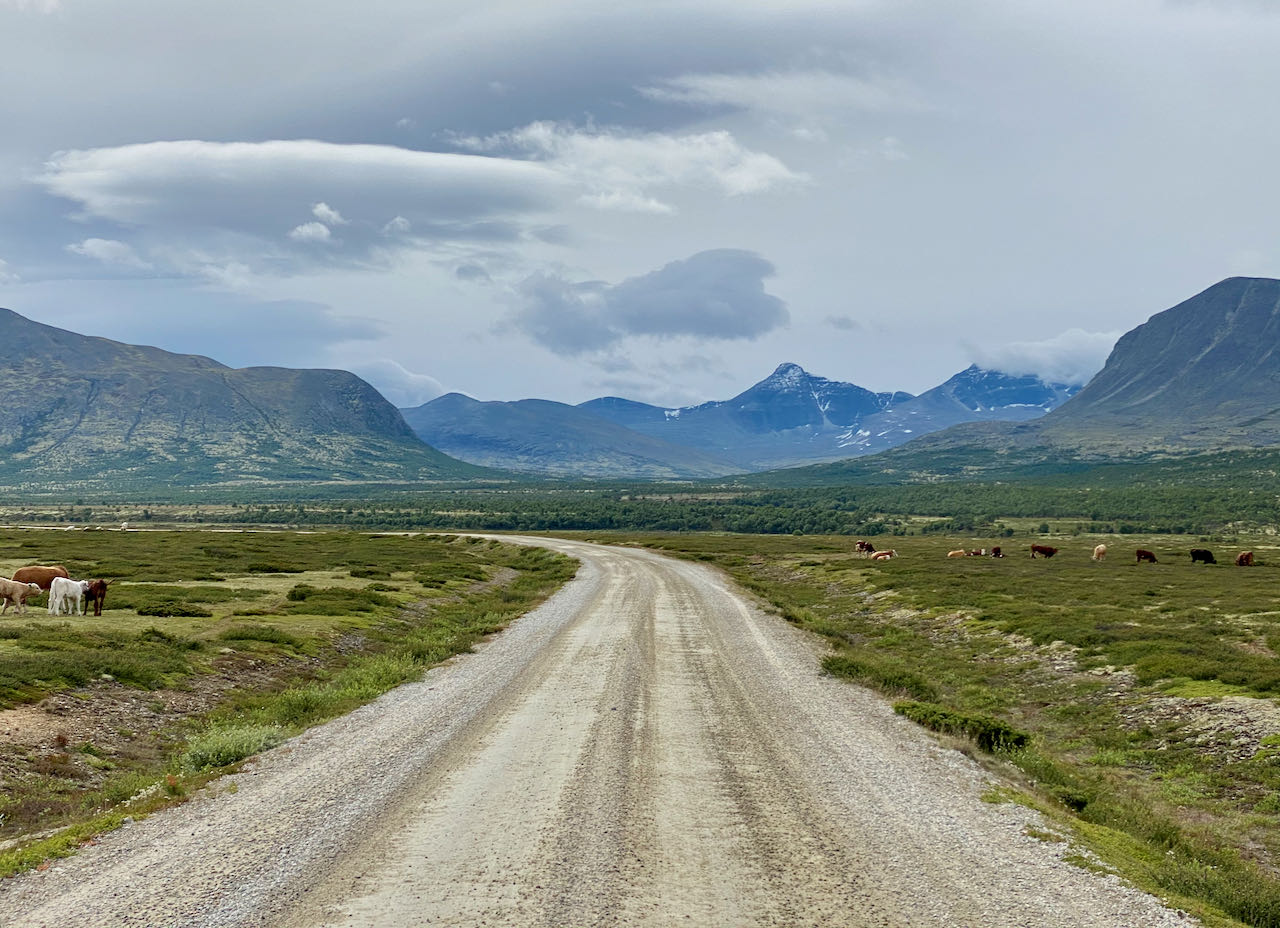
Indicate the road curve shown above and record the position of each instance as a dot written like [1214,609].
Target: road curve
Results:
[645,749]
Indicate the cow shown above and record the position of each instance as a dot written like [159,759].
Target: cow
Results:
[1099,552]
[996,552]
[43,576]
[1244,559]
[1202,555]
[67,596]
[1043,551]
[14,592]
[978,552]
[97,594]
[865,547]
[1144,555]
[883,555]
[957,554]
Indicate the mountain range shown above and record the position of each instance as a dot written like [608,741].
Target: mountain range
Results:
[790,418]
[81,408]
[82,411]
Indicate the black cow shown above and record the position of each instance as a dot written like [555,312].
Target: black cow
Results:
[1202,555]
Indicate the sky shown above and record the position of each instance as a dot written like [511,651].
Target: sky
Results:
[657,200]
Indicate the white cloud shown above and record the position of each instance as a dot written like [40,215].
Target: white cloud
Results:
[7,276]
[1073,356]
[37,6]
[310,232]
[108,251]
[398,226]
[787,93]
[619,169]
[328,215]
[248,186]
[403,387]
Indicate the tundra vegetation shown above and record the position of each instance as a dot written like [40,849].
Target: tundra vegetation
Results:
[1134,704]
[214,646]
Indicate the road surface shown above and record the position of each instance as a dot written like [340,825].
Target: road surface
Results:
[646,749]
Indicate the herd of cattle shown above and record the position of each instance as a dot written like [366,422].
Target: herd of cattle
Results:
[66,596]
[1198,555]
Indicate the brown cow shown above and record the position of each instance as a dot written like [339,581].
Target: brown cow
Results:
[865,547]
[97,594]
[1043,551]
[996,552]
[884,555]
[1099,552]
[43,576]
[1244,559]
[1145,555]
[957,554]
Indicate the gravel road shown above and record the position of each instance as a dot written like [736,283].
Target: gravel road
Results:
[645,749]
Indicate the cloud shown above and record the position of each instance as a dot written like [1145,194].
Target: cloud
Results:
[227,201]
[108,251]
[328,215]
[787,93]
[310,232]
[844,323]
[621,169]
[1073,356]
[403,387]
[715,294]
[37,6]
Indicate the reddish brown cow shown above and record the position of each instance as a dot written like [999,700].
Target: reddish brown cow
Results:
[995,552]
[1043,551]
[865,547]
[43,576]
[97,594]
[1244,559]
[1145,555]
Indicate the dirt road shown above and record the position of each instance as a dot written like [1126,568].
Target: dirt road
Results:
[646,749]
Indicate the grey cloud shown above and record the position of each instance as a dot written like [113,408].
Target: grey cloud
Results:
[716,294]
[844,323]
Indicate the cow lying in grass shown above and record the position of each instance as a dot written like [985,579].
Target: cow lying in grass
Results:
[14,592]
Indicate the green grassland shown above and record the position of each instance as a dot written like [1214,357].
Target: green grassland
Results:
[256,634]
[1133,703]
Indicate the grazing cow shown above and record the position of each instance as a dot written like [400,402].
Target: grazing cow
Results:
[67,596]
[14,592]
[996,552]
[865,547]
[97,594]
[1202,555]
[124,526]
[42,576]
[1244,559]
[1099,552]
[957,554]
[1043,551]
[1145,555]
[883,555]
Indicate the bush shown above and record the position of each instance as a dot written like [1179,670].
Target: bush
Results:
[267,633]
[989,734]
[880,674]
[218,747]
[170,608]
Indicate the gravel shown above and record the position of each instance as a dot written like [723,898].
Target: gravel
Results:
[647,748]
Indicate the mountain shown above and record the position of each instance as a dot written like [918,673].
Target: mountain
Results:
[794,418]
[790,417]
[79,408]
[540,436]
[1202,375]
[973,395]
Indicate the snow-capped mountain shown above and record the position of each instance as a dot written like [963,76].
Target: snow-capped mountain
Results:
[791,417]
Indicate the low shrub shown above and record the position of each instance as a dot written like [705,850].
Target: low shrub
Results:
[170,608]
[880,674]
[223,745]
[988,733]
[267,633]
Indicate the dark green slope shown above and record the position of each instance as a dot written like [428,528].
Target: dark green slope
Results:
[80,409]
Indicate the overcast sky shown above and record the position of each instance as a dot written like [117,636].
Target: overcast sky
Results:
[659,200]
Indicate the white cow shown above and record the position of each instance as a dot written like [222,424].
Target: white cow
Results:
[66,597]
